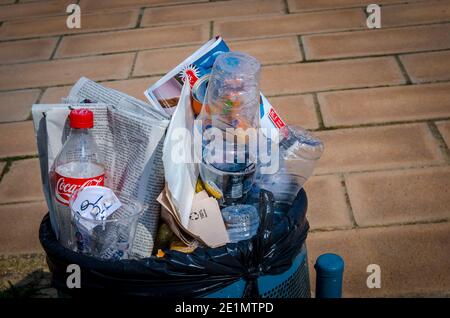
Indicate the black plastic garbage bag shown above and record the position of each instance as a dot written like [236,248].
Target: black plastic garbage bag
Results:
[279,240]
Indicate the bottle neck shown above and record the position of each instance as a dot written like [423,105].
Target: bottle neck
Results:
[80,131]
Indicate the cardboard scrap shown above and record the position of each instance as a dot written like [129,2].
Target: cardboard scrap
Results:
[205,221]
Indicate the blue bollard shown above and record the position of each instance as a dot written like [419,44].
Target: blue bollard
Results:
[329,272]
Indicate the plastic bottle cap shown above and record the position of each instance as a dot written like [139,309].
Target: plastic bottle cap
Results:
[81,118]
[329,265]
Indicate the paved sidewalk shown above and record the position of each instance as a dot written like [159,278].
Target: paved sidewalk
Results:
[379,99]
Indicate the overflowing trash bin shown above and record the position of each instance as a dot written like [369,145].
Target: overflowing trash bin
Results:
[272,264]
[198,193]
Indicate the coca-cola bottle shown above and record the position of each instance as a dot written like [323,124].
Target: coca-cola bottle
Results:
[76,166]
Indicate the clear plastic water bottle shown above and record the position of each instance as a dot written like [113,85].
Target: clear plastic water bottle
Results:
[76,166]
[242,221]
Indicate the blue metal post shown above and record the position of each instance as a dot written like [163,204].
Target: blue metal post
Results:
[329,272]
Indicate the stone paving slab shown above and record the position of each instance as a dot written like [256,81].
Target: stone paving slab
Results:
[316,22]
[26,51]
[413,259]
[211,11]
[330,75]
[289,106]
[444,128]
[327,203]
[29,28]
[95,5]
[16,105]
[130,40]
[22,183]
[34,9]
[382,147]
[377,42]
[98,68]
[17,139]
[54,95]
[424,193]
[420,13]
[308,5]
[385,104]
[20,227]
[427,67]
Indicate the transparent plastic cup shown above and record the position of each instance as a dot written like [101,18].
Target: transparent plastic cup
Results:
[111,238]
[233,93]
[227,187]
[229,156]
[227,172]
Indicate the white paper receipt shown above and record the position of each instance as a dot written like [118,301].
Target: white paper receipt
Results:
[94,203]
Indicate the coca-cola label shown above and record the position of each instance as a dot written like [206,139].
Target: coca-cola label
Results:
[66,186]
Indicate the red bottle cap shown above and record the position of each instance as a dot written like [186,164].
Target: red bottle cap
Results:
[81,118]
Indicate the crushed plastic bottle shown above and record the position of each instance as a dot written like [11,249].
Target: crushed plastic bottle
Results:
[299,153]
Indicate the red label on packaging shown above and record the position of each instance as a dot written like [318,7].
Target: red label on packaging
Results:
[190,73]
[66,186]
[278,122]
[192,77]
